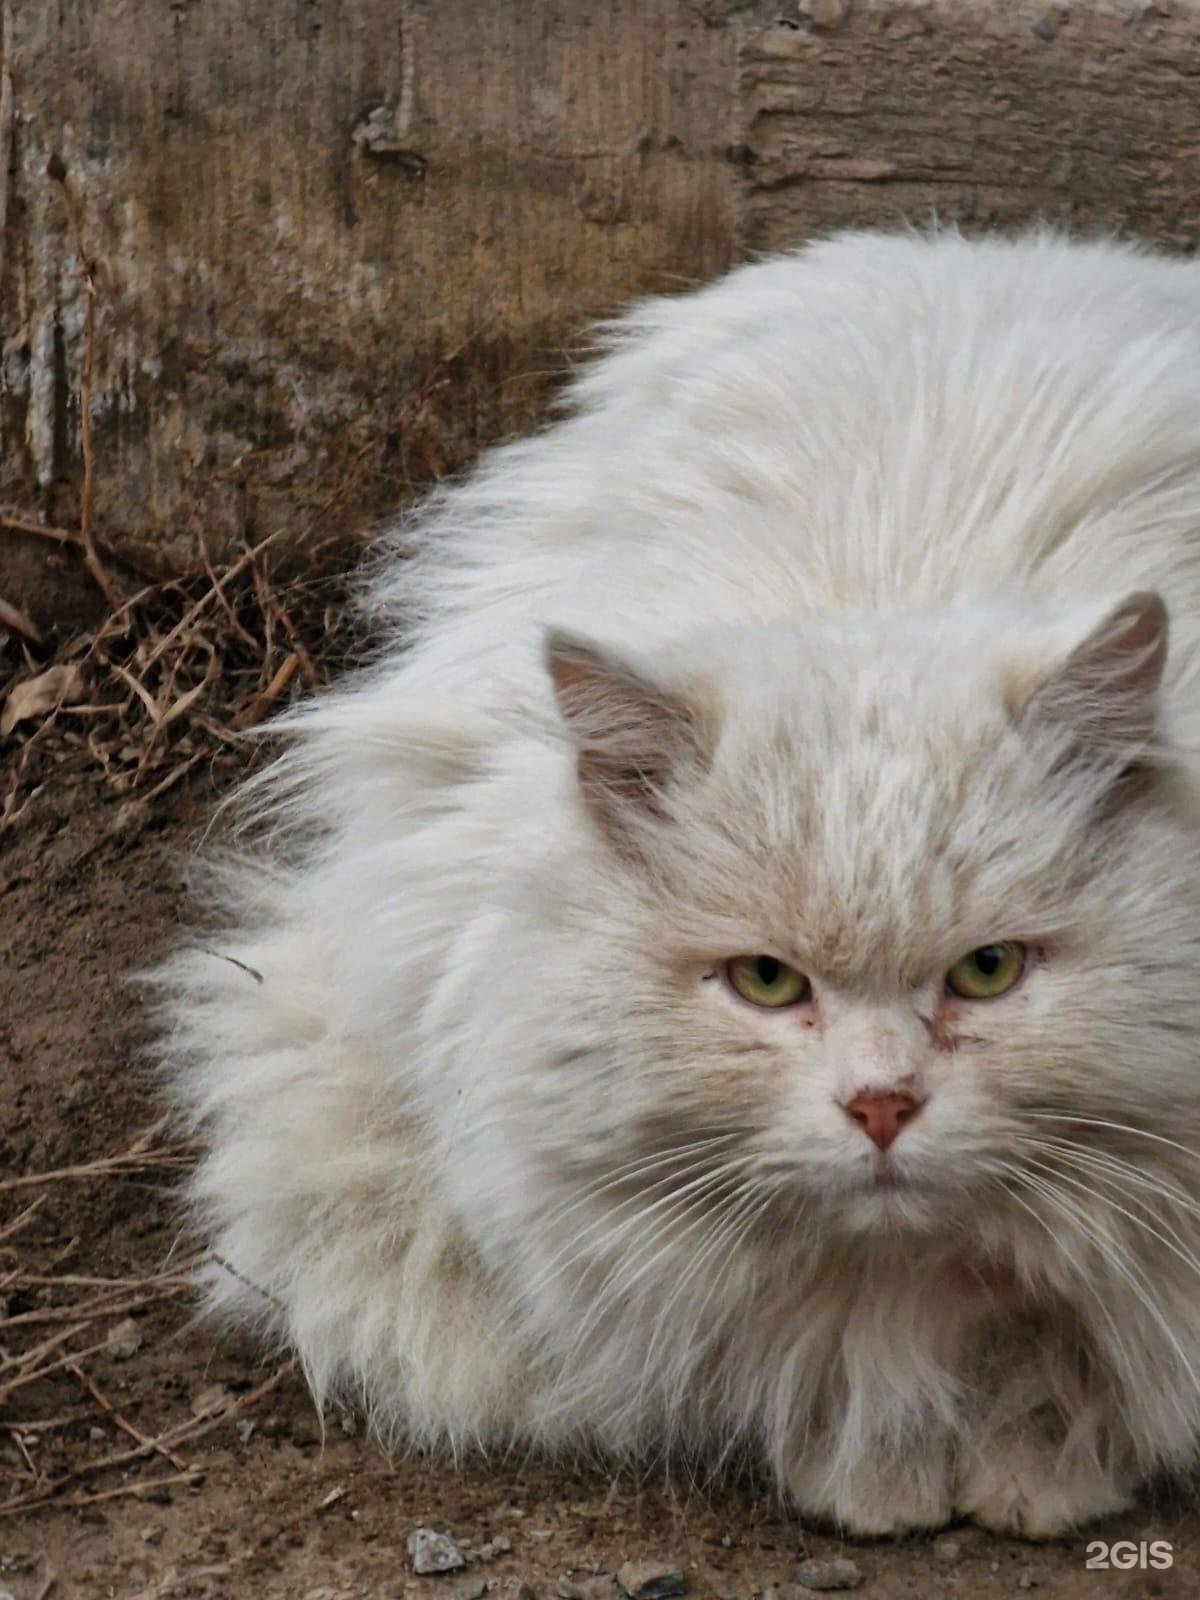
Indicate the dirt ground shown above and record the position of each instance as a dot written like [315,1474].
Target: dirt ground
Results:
[91,888]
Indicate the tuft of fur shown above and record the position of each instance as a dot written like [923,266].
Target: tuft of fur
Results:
[825,623]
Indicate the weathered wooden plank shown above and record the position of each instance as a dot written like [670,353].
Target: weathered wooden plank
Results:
[333,242]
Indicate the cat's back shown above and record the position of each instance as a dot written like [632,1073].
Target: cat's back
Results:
[872,423]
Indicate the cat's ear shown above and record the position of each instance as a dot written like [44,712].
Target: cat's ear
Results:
[1104,695]
[634,739]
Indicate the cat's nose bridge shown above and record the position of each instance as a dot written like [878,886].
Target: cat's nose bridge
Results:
[880,1055]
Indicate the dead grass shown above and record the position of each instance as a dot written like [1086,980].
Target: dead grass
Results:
[181,668]
[81,1312]
[175,674]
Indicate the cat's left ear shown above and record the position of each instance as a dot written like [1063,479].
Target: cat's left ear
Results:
[1104,696]
[634,739]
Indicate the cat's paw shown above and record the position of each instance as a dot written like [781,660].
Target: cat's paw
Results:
[1019,1490]
[871,1506]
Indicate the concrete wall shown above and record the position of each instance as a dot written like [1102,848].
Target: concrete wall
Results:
[330,243]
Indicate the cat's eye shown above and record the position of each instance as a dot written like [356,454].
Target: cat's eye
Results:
[989,971]
[765,981]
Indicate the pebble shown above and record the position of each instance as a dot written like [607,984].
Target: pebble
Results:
[434,1552]
[499,1546]
[97,1435]
[569,1588]
[305,1430]
[1032,1577]
[473,1589]
[211,1401]
[124,1340]
[650,1580]
[946,1550]
[152,1534]
[840,1573]
[244,1428]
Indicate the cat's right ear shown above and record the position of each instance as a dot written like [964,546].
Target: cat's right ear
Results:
[634,740]
[1104,695]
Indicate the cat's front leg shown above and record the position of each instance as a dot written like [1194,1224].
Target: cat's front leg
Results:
[1045,1447]
[1026,1484]
[880,1492]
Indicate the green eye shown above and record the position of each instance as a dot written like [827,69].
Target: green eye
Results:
[991,970]
[764,981]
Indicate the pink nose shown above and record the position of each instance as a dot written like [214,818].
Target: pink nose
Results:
[881,1116]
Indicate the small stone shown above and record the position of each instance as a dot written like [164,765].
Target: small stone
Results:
[840,1573]
[473,1589]
[593,1588]
[433,1552]
[304,1430]
[825,13]
[244,1428]
[650,1580]
[1033,1577]
[1047,26]
[212,1401]
[499,1546]
[131,816]
[97,1435]
[124,1341]
[541,1535]
[151,1534]
[946,1550]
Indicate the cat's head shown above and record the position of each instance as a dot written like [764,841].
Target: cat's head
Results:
[887,909]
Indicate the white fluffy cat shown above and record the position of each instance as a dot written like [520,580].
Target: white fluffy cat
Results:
[728,979]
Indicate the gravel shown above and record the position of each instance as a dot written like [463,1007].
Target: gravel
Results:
[473,1589]
[568,1587]
[124,1340]
[650,1580]
[840,1573]
[434,1552]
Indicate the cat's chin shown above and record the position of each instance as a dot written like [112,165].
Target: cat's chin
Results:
[887,1201]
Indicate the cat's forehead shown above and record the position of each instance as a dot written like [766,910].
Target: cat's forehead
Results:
[879,798]
[896,704]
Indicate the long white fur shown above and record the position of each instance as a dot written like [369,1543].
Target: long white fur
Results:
[484,1143]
